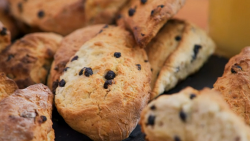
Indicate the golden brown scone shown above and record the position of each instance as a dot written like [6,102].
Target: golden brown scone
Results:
[145,17]
[5,38]
[234,84]
[105,87]
[68,47]
[192,115]
[26,115]
[28,60]
[67,15]
[191,53]
[7,86]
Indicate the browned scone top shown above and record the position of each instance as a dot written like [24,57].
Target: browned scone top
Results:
[145,17]
[68,47]
[28,60]
[26,115]
[64,16]
[7,86]
[5,38]
[234,84]
[105,87]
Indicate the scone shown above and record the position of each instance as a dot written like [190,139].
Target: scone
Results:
[105,86]
[235,82]
[192,50]
[28,60]
[7,86]
[5,38]
[26,115]
[192,116]
[64,16]
[145,17]
[68,47]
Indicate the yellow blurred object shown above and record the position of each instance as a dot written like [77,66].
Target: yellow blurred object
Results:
[229,25]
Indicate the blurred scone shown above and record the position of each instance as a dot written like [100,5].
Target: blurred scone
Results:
[68,47]
[190,49]
[26,115]
[64,16]
[5,38]
[234,85]
[192,116]
[28,60]
[145,17]
[105,86]
[7,86]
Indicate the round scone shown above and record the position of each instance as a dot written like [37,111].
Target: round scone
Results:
[5,38]
[105,86]
[26,115]
[234,84]
[28,60]
[192,116]
[145,17]
[7,86]
[67,15]
[193,49]
[68,47]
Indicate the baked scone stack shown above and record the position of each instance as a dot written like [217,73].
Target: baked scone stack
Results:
[192,115]
[105,86]
[234,84]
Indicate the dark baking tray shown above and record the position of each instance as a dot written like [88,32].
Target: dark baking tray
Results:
[205,77]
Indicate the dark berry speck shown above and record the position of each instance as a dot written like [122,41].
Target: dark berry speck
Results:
[151,120]
[110,75]
[3,31]
[176,138]
[106,26]
[236,68]
[192,96]
[145,61]
[20,7]
[43,119]
[88,72]
[196,51]
[10,57]
[62,83]
[153,107]
[131,12]
[138,66]
[74,58]
[161,6]
[183,116]
[117,54]
[152,12]
[178,38]
[142,34]
[65,69]
[143,1]
[107,83]
[40,14]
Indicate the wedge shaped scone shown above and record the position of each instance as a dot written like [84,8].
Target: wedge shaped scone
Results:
[145,17]
[64,16]
[28,60]
[26,115]
[68,47]
[192,51]
[234,84]
[7,86]
[105,86]
[5,38]
[192,116]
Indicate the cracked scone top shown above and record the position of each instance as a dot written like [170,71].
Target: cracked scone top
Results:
[192,115]
[105,86]
[26,115]
[7,86]
[234,84]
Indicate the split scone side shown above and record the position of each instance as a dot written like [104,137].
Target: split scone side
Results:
[26,115]
[234,84]
[28,60]
[105,86]
[192,116]
[145,17]
[5,38]
[7,86]
[67,15]
[68,47]
[193,50]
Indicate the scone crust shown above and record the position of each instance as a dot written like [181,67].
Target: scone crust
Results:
[7,86]
[68,47]
[109,113]
[234,84]
[67,15]
[28,60]
[147,18]
[22,115]
[5,38]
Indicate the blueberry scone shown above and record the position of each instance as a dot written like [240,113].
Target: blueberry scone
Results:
[7,86]
[28,60]
[68,47]
[26,115]
[64,16]
[234,84]
[105,86]
[193,48]
[5,38]
[192,116]
[145,17]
